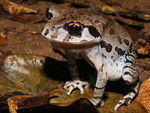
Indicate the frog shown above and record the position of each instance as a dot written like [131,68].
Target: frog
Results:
[101,41]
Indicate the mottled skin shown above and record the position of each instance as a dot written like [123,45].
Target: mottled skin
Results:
[101,41]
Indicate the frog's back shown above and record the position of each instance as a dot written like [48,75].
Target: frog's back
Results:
[115,40]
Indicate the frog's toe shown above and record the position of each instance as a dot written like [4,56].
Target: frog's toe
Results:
[76,84]
[122,102]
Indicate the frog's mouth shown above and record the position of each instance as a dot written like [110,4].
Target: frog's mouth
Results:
[76,45]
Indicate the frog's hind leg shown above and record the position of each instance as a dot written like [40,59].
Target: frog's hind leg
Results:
[130,71]
[129,96]
[130,76]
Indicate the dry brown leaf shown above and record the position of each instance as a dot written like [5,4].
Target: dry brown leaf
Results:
[3,39]
[144,95]
[142,46]
[143,51]
[14,8]
[1,1]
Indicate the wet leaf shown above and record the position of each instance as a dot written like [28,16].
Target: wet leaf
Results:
[26,101]
[31,103]
[81,105]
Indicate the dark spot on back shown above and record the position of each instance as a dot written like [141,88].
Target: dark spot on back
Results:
[93,31]
[112,31]
[46,32]
[126,42]
[108,47]
[121,52]
[102,43]
[116,48]
[119,39]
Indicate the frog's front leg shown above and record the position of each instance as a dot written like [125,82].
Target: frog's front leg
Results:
[99,88]
[76,83]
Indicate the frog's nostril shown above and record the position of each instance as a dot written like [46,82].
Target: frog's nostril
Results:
[46,32]
[74,28]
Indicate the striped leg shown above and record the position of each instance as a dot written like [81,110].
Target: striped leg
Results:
[130,71]
[99,89]
[128,97]
[130,76]
[76,83]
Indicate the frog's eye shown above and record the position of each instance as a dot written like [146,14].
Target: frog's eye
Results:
[49,15]
[74,28]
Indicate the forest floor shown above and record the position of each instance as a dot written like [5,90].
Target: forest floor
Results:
[21,23]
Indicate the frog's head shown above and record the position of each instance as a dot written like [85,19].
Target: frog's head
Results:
[70,29]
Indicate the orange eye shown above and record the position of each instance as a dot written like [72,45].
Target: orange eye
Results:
[74,28]
[76,24]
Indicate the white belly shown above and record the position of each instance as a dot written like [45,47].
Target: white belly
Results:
[113,69]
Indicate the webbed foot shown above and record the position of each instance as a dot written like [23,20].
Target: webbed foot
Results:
[124,101]
[76,84]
